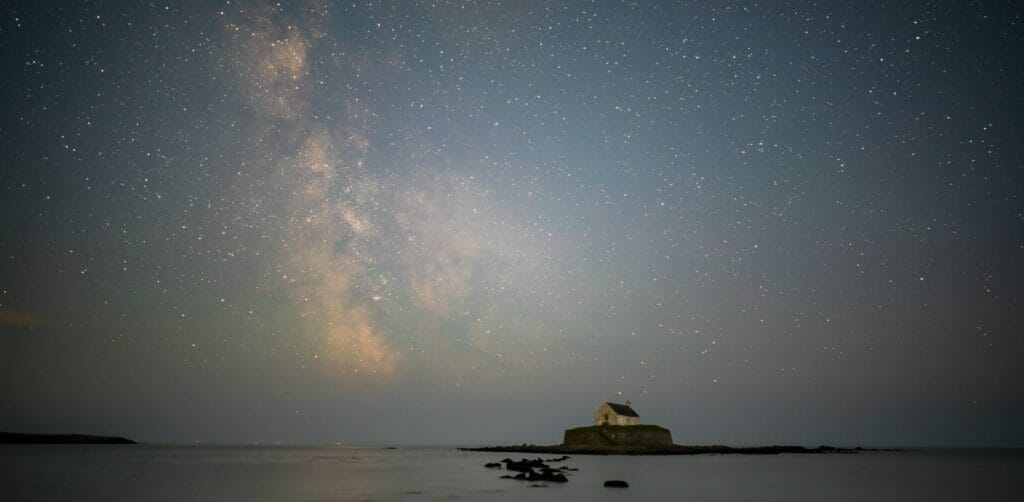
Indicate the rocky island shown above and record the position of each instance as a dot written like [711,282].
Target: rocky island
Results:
[618,431]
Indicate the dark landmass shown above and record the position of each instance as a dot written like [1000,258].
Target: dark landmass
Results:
[19,438]
[668,450]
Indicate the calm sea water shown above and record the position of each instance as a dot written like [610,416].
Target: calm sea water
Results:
[145,472]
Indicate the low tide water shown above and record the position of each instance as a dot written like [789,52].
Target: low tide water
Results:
[257,473]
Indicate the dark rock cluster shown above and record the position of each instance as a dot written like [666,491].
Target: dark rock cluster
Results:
[534,469]
[537,470]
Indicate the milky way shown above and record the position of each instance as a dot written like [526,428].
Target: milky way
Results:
[315,221]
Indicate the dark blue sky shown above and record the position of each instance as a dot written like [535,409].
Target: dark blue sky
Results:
[761,222]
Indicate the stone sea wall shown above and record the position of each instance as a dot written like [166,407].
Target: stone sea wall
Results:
[618,436]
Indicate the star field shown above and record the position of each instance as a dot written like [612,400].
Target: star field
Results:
[319,221]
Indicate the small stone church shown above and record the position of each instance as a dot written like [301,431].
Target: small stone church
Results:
[616,414]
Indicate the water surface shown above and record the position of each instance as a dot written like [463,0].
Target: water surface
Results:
[258,473]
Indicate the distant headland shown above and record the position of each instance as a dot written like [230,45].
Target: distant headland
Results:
[618,431]
[22,438]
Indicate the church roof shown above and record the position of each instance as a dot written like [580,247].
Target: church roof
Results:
[622,410]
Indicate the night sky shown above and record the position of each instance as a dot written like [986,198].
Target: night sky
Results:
[448,223]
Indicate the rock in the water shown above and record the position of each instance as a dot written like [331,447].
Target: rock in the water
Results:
[526,470]
[616,483]
[524,465]
[512,465]
[492,465]
[506,476]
